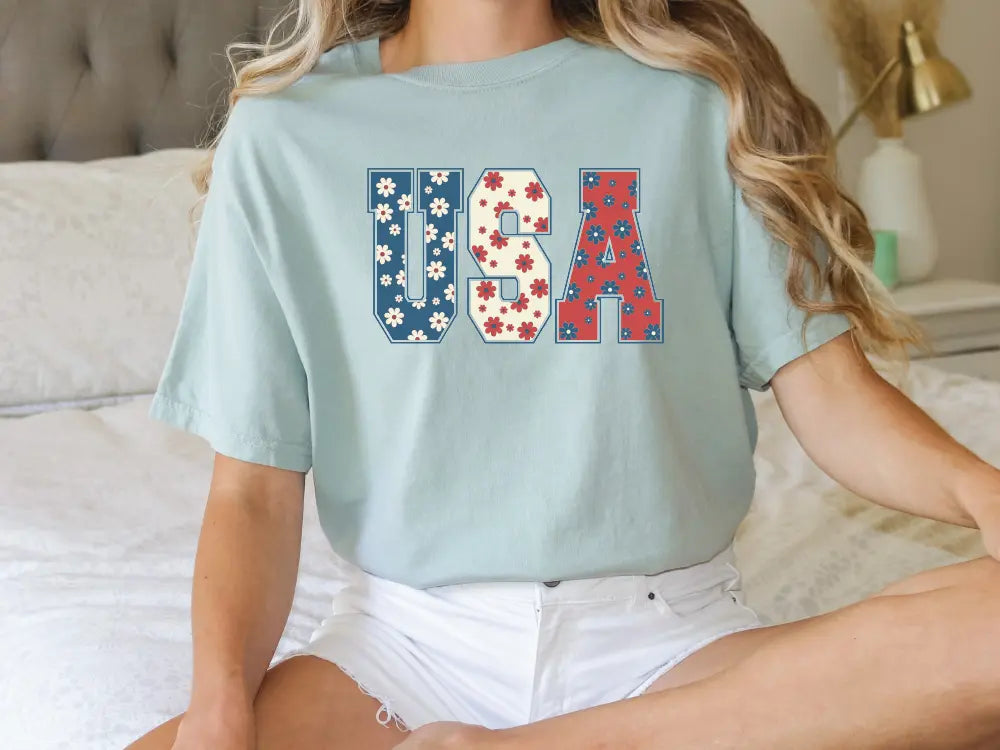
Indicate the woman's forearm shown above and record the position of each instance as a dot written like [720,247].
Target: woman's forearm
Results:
[244,581]
[872,439]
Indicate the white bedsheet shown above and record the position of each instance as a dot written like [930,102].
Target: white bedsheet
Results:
[99,515]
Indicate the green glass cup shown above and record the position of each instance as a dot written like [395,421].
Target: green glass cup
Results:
[886,264]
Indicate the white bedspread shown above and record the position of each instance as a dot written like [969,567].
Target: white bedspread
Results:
[99,516]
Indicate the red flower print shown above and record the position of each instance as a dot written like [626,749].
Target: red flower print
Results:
[493,264]
[512,192]
[482,308]
[542,224]
[480,252]
[538,313]
[482,230]
[483,202]
[526,331]
[503,310]
[500,207]
[521,303]
[510,326]
[497,239]
[540,287]
[493,180]
[486,289]
[524,262]
[526,244]
[526,219]
[493,326]
[534,191]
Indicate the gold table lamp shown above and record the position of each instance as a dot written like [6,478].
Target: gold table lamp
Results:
[929,80]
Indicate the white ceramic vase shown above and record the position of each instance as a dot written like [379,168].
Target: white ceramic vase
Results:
[892,193]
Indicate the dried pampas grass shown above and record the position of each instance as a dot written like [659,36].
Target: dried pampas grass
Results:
[867,34]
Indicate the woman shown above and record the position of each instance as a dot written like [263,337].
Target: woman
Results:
[535,467]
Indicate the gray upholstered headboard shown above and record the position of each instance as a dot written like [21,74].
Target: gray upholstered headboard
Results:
[86,79]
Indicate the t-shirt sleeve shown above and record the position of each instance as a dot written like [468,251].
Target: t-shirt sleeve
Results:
[234,375]
[767,326]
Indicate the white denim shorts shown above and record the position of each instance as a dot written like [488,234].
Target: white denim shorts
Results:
[507,654]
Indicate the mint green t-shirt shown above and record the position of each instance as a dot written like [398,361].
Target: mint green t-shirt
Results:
[506,311]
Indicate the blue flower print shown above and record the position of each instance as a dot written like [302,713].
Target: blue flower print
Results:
[652,332]
[589,319]
[568,331]
[589,211]
[639,292]
[621,276]
[647,312]
[622,228]
[590,279]
[582,258]
[628,308]
[633,188]
[626,334]
[609,200]
[602,260]
[636,247]
[596,234]
[610,287]
[642,271]
[626,204]
[612,183]
[622,254]
[572,292]
[591,179]
[590,303]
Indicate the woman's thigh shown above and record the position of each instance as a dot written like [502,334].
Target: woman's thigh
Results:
[728,651]
[305,703]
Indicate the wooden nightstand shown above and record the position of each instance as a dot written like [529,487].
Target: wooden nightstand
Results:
[962,320]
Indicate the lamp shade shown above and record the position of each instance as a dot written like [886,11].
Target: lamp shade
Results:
[929,81]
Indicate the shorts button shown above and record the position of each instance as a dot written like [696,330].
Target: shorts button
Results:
[552,584]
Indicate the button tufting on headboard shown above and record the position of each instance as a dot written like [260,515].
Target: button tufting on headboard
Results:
[85,79]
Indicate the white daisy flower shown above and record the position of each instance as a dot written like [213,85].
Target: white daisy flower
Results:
[418,304]
[430,233]
[393,317]
[405,202]
[401,278]
[385,279]
[383,254]
[439,177]
[394,230]
[382,212]
[436,301]
[437,251]
[386,187]
[402,258]
[439,321]
[399,298]
[449,292]
[439,207]
[417,336]
[435,271]
[427,190]
[448,241]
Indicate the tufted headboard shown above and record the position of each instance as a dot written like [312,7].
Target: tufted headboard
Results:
[87,79]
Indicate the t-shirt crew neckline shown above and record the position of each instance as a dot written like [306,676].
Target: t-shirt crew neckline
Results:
[476,74]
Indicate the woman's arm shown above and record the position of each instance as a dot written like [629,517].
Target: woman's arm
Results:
[874,441]
[244,580]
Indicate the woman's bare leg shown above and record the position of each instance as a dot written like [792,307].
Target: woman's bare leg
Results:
[914,668]
[305,703]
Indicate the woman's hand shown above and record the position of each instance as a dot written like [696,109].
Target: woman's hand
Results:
[230,728]
[449,736]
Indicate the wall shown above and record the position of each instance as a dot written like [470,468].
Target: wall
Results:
[960,146]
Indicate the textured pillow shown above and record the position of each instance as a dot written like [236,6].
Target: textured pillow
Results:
[93,263]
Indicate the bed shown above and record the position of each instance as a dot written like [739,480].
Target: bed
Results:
[100,506]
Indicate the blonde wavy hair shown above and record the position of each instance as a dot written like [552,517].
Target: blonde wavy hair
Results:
[781,150]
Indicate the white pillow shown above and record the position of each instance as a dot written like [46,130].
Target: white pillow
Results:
[93,262]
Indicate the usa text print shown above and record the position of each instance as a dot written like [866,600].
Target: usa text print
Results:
[609,258]
[438,197]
